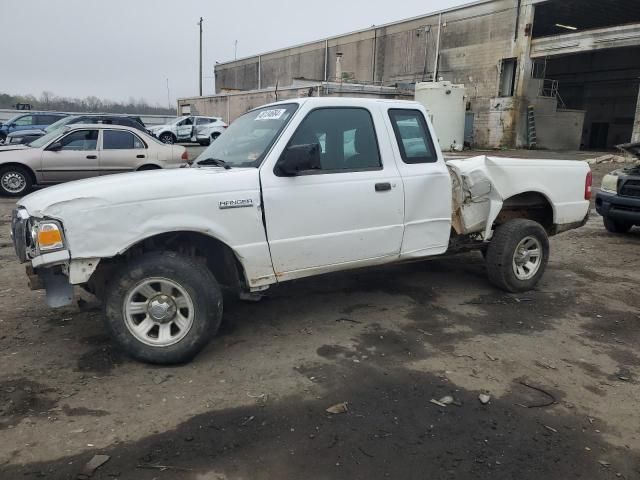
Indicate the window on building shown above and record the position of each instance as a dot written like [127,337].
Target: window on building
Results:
[507,77]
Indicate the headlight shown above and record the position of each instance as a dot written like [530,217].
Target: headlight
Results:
[47,236]
[610,183]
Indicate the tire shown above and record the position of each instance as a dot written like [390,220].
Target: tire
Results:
[3,138]
[616,227]
[15,181]
[204,143]
[167,138]
[214,136]
[137,311]
[511,263]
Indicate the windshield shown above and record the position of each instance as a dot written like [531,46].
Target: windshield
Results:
[42,141]
[60,123]
[246,142]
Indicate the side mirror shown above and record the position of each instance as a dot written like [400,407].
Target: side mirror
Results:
[299,158]
[55,147]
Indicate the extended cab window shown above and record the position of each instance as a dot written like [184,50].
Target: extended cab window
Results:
[412,135]
[80,140]
[346,138]
[120,140]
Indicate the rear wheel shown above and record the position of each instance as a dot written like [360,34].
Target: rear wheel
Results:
[517,255]
[214,136]
[167,138]
[163,308]
[616,227]
[15,181]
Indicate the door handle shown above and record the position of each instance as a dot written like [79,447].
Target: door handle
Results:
[92,157]
[383,187]
[140,156]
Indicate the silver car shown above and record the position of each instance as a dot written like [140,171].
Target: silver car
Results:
[81,151]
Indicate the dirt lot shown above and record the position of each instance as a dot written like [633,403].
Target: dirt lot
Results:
[385,340]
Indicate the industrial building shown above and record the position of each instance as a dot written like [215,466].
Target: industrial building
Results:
[557,74]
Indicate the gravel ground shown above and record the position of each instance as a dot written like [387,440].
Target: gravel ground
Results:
[561,365]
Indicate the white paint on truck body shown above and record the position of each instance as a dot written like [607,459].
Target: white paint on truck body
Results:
[308,224]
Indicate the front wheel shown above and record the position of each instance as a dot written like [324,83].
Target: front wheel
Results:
[616,227]
[517,255]
[15,181]
[163,308]
[167,138]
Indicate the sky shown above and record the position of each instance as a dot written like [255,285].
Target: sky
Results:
[121,49]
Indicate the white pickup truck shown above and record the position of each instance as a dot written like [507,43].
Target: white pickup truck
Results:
[293,189]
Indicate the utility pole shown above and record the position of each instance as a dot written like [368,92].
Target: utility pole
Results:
[168,96]
[235,51]
[200,76]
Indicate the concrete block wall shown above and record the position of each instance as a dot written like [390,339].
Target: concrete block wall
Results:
[474,40]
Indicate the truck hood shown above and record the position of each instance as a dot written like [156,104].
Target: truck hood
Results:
[129,189]
[103,217]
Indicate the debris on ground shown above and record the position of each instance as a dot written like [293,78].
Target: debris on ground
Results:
[437,402]
[161,378]
[447,400]
[610,158]
[484,398]
[92,465]
[338,408]
[552,399]
[490,357]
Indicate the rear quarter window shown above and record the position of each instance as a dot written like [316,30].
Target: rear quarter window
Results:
[413,137]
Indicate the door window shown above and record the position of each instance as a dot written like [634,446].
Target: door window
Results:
[186,122]
[120,140]
[25,121]
[204,121]
[346,138]
[80,140]
[46,119]
[412,135]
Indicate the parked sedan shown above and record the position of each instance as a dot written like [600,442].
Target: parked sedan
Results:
[81,151]
[28,136]
[28,121]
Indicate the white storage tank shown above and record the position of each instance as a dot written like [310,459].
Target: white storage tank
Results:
[446,104]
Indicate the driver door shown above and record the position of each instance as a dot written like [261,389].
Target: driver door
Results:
[348,211]
[72,157]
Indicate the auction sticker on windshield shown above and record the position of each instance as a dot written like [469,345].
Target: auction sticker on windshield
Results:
[274,114]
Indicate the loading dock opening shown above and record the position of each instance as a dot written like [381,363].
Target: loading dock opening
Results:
[605,84]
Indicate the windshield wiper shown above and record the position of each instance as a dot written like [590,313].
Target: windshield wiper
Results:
[215,162]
